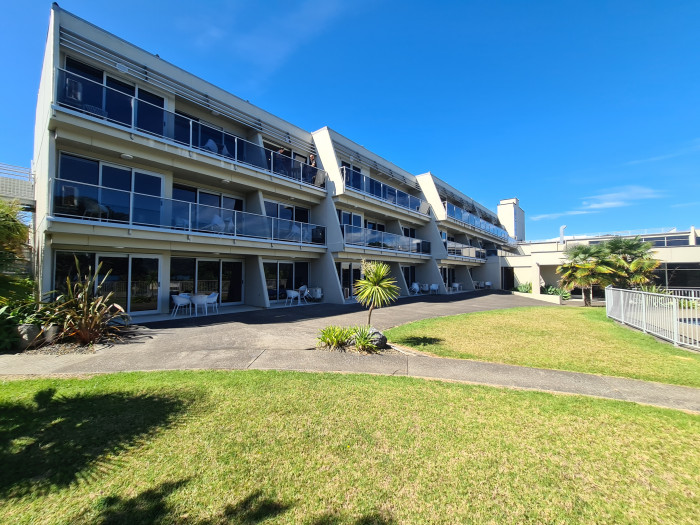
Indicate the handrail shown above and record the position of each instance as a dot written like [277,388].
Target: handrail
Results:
[90,202]
[85,95]
[15,172]
[383,240]
[382,191]
[457,249]
[478,223]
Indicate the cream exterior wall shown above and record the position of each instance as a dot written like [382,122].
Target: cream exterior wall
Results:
[61,129]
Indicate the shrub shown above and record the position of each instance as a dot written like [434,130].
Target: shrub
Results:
[362,339]
[553,290]
[86,316]
[9,338]
[335,337]
[524,288]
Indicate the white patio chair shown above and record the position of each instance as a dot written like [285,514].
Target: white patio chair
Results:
[456,287]
[303,294]
[434,288]
[487,285]
[213,300]
[180,300]
[200,300]
[414,289]
[291,295]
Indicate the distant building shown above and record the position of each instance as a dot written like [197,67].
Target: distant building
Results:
[536,261]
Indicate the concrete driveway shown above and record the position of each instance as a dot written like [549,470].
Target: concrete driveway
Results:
[280,339]
[296,328]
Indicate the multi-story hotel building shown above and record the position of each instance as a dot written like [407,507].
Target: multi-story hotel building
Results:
[176,185]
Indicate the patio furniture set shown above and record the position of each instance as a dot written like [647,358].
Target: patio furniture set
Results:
[198,300]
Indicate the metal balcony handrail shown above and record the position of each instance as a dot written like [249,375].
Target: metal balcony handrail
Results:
[383,240]
[386,192]
[92,202]
[468,218]
[16,172]
[457,249]
[184,130]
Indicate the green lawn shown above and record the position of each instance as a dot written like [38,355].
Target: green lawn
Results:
[575,339]
[245,447]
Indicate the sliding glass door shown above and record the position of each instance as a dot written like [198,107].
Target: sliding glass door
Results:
[281,276]
[190,274]
[133,279]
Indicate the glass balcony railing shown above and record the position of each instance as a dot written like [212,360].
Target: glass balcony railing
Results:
[373,187]
[383,240]
[107,205]
[91,97]
[456,249]
[477,223]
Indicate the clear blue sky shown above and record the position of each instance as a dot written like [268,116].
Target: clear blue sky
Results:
[588,112]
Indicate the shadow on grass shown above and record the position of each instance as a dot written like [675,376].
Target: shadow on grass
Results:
[373,518]
[57,439]
[418,341]
[151,506]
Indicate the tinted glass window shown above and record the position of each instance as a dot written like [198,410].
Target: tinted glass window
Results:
[66,267]
[147,184]
[210,199]
[286,212]
[301,274]
[149,97]
[84,70]
[271,209]
[301,214]
[232,204]
[184,193]
[117,178]
[79,170]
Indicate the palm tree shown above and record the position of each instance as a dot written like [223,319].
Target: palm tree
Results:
[586,265]
[633,260]
[377,289]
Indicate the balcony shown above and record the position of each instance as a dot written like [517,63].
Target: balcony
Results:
[464,251]
[383,240]
[89,203]
[369,186]
[477,223]
[127,111]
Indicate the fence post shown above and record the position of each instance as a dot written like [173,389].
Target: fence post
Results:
[644,312]
[622,307]
[676,338]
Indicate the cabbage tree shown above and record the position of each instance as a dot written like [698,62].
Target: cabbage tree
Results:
[377,289]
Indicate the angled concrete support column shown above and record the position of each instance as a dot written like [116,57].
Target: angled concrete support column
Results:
[429,273]
[255,285]
[462,276]
[397,274]
[323,274]
[255,203]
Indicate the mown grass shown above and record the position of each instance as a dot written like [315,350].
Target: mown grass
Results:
[279,447]
[574,339]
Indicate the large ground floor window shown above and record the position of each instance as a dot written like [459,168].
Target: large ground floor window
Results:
[199,275]
[348,273]
[409,274]
[678,275]
[132,279]
[281,276]
[448,275]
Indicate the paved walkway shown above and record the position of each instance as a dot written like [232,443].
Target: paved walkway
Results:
[282,340]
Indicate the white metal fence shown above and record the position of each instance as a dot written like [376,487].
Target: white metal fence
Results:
[674,315]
